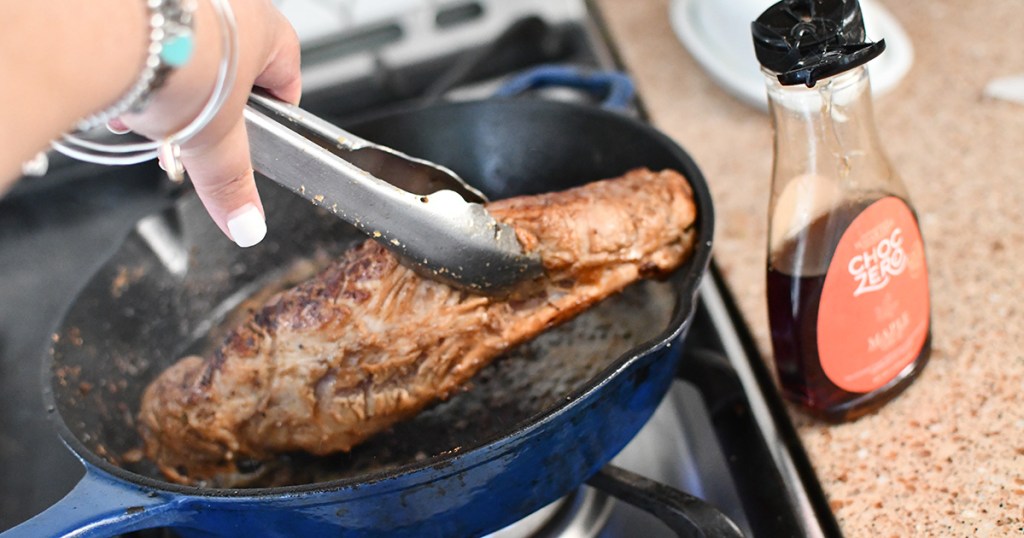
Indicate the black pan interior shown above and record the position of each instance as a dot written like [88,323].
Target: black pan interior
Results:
[170,287]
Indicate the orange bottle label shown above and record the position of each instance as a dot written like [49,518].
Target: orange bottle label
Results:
[874,313]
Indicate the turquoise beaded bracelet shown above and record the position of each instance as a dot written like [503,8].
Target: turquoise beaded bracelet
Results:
[171,44]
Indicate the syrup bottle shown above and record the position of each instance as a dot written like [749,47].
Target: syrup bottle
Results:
[847,280]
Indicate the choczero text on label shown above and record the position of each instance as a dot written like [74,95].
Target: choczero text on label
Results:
[873,269]
[865,342]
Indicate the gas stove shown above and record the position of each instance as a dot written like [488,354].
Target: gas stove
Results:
[720,443]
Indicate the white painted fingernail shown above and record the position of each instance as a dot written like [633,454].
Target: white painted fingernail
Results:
[247,226]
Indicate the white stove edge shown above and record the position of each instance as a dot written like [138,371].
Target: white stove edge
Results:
[421,38]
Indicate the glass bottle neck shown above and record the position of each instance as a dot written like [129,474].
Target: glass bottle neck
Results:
[829,124]
[827,160]
[828,132]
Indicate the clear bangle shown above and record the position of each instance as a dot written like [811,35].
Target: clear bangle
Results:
[80,148]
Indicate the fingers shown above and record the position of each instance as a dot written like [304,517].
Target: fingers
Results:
[217,158]
[281,75]
[221,170]
[222,175]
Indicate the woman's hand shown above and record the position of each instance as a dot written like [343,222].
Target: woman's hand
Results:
[217,159]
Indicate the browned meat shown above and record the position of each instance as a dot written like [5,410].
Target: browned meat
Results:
[367,342]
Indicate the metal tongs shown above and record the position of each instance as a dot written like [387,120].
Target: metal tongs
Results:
[424,213]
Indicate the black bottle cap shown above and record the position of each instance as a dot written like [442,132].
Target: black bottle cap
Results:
[804,41]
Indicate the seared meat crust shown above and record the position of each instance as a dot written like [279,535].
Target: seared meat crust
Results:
[367,342]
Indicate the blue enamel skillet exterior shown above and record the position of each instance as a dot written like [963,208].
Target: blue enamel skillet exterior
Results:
[510,148]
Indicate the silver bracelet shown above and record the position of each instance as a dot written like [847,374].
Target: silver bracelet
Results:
[171,43]
[92,151]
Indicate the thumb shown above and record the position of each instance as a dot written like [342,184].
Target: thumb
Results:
[222,175]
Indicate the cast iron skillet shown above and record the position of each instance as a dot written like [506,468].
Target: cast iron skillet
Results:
[534,426]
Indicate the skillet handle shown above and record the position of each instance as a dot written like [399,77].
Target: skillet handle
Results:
[100,505]
[617,87]
[685,514]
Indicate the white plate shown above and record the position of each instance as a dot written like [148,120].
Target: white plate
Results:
[717,34]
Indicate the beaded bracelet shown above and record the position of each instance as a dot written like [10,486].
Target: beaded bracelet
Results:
[171,43]
[167,28]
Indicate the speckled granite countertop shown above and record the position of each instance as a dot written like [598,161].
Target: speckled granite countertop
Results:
[946,458]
